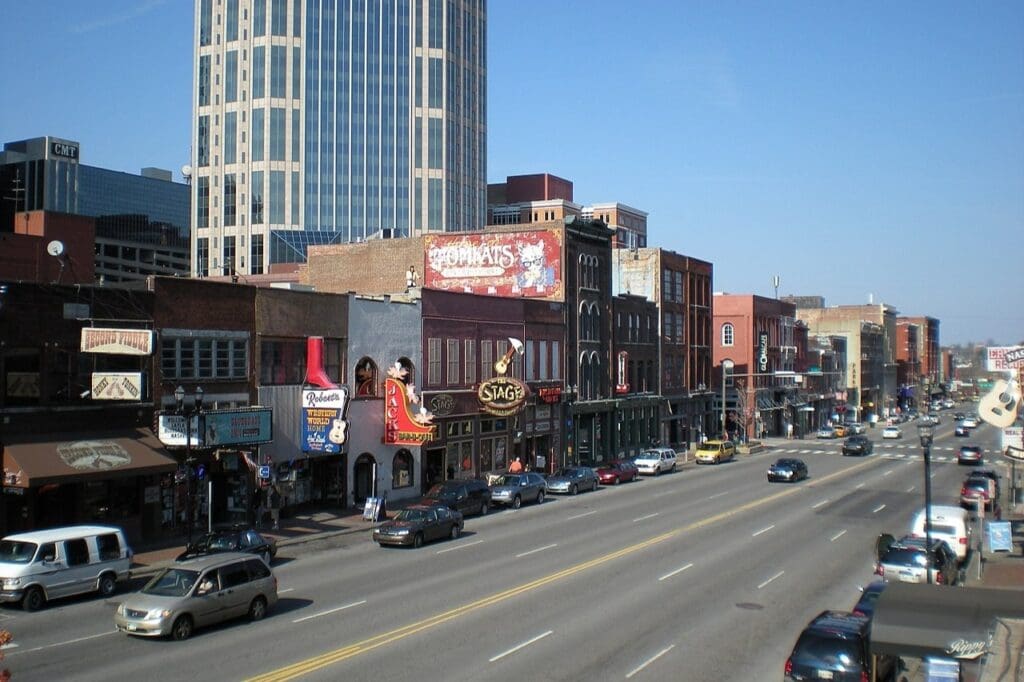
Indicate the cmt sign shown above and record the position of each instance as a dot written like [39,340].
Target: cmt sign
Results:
[64,150]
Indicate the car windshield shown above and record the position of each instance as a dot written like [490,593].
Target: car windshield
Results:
[905,557]
[410,515]
[221,542]
[15,552]
[439,490]
[508,480]
[829,653]
[569,473]
[171,582]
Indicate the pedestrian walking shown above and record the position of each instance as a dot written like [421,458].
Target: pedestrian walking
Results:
[516,467]
[275,507]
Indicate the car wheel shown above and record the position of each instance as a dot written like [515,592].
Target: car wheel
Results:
[517,502]
[657,471]
[417,540]
[257,608]
[456,531]
[265,555]
[108,583]
[540,497]
[573,490]
[182,628]
[718,460]
[616,481]
[33,599]
[483,508]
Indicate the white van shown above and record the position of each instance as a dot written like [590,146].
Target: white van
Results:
[58,562]
[952,524]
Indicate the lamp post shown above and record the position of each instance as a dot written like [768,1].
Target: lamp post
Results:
[926,433]
[727,366]
[195,411]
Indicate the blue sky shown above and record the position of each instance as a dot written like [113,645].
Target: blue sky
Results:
[855,150]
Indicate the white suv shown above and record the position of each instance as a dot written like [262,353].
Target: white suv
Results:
[655,461]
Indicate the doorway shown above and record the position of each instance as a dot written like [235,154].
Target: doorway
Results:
[362,473]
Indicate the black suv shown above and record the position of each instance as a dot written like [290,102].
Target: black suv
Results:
[834,646]
[857,445]
[469,496]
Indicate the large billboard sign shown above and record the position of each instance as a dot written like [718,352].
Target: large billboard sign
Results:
[524,264]
[1004,358]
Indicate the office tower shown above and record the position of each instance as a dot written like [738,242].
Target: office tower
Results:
[330,121]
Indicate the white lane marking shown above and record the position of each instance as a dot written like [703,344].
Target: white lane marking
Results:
[777,575]
[675,572]
[837,535]
[667,492]
[330,611]
[887,472]
[820,504]
[763,530]
[290,589]
[580,516]
[644,518]
[463,545]
[724,492]
[517,647]
[911,489]
[878,509]
[10,645]
[859,485]
[534,551]
[50,646]
[650,660]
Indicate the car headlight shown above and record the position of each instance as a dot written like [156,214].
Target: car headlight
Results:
[120,609]
[402,531]
[156,614]
[11,582]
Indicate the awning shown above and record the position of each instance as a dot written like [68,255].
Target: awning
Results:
[766,404]
[59,458]
[935,620]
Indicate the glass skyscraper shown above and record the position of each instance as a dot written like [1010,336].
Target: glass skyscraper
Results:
[328,121]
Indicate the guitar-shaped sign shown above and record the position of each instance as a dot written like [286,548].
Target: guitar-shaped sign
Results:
[999,406]
[337,434]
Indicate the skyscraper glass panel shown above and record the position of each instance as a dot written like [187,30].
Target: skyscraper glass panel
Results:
[258,116]
[278,71]
[259,72]
[278,17]
[231,76]
[276,197]
[204,80]
[203,141]
[231,137]
[205,22]
[230,199]
[277,137]
[259,18]
[231,20]
[256,192]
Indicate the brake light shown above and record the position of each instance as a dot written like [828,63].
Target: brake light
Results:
[938,579]
[789,666]
[963,541]
[863,676]
[879,570]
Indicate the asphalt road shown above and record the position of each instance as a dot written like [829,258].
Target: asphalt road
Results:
[708,573]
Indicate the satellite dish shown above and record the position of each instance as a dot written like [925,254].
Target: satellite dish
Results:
[186,171]
[55,248]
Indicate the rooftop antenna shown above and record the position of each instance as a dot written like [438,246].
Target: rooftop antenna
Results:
[775,283]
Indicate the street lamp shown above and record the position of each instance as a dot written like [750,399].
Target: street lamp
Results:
[926,433]
[727,366]
[195,411]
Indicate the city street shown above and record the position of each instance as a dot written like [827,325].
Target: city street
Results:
[708,573]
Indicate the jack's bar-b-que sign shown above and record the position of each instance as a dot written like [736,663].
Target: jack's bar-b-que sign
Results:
[502,396]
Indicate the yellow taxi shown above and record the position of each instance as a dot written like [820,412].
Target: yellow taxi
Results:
[715,451]
[841,430]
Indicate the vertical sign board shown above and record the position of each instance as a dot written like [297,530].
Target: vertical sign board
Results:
[762,352]
[324,419]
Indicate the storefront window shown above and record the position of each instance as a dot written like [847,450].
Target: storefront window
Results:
[486,455]
[401,470]
[111,500]
[460,459]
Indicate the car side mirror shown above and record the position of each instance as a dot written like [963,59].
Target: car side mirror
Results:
[49,559]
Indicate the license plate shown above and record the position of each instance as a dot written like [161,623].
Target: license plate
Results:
[824,674]
[132,627]
[908,577]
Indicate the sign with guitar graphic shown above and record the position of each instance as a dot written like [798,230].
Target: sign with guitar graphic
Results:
[999,407]
[325,420]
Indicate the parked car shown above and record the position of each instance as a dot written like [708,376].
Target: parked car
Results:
[977,490]
[969,454]
[41,565]
[890,432]
[233,539]
[858,445]
[618,471]
[515,489]
[572,480]
[865,606]
[952,524]
[826,432]
[715,451]
[199,592]
[787,469]
[418,524]
[990,476]
[468,496]
[906,560]
[835,646]
[656,460]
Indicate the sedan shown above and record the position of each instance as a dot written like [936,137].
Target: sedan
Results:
[858,445]
[854,428]
[515,489]
[233,539]
[788,470]
[890,432]
[969,454]
[826,432]
[419,523]
[619,471]
[962,430]
[970,422]
[572,480]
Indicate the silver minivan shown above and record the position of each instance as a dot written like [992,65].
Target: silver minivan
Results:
[41,565]
[198,592]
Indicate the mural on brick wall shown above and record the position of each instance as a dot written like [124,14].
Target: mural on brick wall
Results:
[515,264]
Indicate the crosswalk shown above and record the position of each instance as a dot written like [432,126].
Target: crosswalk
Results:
[910,452]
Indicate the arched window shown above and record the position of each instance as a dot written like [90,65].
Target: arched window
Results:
[410,370]
[401,470]
[584,322]
[595,322]
[366,378]
[728,335]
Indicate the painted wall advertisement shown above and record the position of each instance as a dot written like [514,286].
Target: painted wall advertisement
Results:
[520,264]
[324,419]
